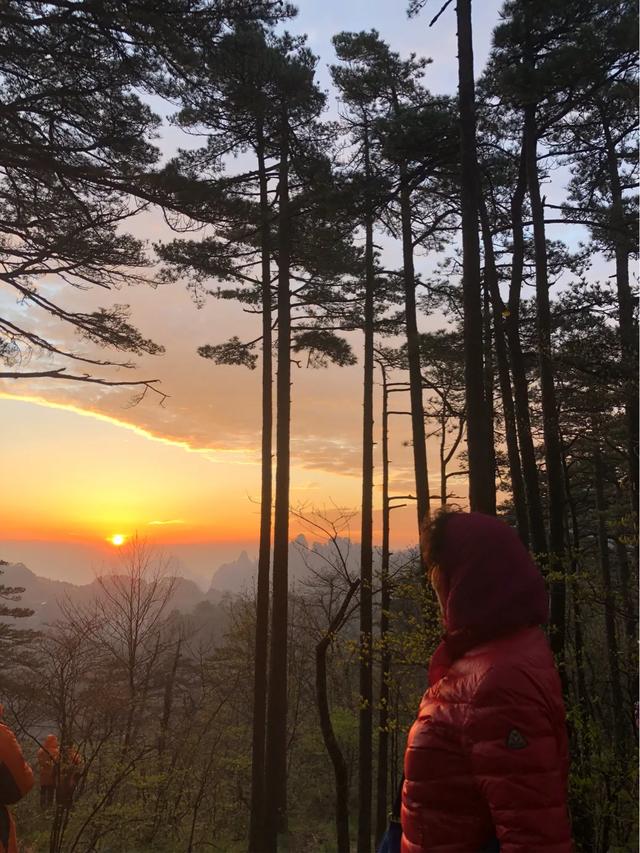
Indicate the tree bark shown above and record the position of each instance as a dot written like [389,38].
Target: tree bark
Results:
[581,679]
[257,807]
[481,485]
[628,596]
[442,455]
[340,772]
[413,355]
[365,729]
[553,454]
[630,626]
[582,817]
[276,740]
[613,652]
[628,337]
[418,433]
[489,389]
[502,359]
[385,603]
[518,371]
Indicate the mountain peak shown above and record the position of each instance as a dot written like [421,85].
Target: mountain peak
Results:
[15,574]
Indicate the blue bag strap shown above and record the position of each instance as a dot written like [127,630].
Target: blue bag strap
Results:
[397,803]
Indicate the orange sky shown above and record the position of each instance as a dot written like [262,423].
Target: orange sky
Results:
[77,474]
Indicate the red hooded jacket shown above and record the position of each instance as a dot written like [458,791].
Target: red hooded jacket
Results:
[487,755]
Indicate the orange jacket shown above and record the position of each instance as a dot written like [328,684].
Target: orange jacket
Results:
[16,780]
[47,760]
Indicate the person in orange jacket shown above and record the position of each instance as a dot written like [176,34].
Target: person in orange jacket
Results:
[48,755]
[71,766]
[16,780]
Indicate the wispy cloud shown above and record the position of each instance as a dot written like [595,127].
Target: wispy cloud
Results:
[213,454]
[162,522]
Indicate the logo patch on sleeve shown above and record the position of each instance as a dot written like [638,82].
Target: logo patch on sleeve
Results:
[515,740]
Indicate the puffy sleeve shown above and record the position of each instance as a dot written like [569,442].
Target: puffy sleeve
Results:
[16,777]
[517,743]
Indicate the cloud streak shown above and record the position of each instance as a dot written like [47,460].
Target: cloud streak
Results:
[162,523]
[223,454]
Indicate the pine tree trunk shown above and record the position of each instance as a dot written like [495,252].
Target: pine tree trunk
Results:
[257,808]
[630,626]
[613,652]
[276,741]
[413,356]
[443,458]
[385,603]
[340,771]
[553,454]
[581,742]
[481,485]
[628,596]
[628,337]
[365,730]
[418,433]
[488,388]
[583,694]
[518,371]
[502,359]
[581,679]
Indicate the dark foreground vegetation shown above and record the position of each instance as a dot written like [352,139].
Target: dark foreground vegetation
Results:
[292,723]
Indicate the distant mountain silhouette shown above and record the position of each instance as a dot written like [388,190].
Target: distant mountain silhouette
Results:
[305,558]
[45,596]
[237,576]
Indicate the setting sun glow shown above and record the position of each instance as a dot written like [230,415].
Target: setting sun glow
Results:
[117,539]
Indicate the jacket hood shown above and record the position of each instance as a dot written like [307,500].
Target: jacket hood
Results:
[50,741]
[491,581]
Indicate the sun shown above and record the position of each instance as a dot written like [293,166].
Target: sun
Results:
[117,539]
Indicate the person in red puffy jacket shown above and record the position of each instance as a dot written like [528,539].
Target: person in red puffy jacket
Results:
[486,762]
[16,780]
